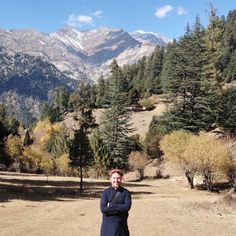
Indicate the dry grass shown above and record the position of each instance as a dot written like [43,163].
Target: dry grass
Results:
[37,205]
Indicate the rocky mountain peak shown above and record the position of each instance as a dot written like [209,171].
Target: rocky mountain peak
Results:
[150,37]
[82,53]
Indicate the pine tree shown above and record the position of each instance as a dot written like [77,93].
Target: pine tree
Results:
[213,43]
[57,107]
[229,48]
[27,140]
[60,100]
[100,92]
[115,124]
[153,70]
[212,79]
[80,151]
[227,110]
[139,82]
[182,82]
[100,153]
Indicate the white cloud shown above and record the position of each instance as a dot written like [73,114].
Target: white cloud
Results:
[163,11]
[98,13]
[85,19]
[77,20]
[181,11]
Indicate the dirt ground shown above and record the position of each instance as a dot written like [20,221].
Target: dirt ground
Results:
[40,205]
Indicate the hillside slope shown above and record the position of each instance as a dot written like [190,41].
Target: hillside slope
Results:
[140,120]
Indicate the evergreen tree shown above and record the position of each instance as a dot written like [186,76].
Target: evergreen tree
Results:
[229,47]
[60,100]
[57,107]
[182,82]
[100,153]
[227,110]
[139,82]
[27,140]
[213,43]
[80,151]
[100,92]
[153,70]
[212,73]
[115,124]
[58,143]
[229,73]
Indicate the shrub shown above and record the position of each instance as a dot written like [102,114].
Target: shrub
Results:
[138,161]
[35,158]
[229,167]
[14,146]
[62,164]
[147,103]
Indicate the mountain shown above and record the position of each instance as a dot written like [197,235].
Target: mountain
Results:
[33,64]
[150,37]
[26,82]
[86,54]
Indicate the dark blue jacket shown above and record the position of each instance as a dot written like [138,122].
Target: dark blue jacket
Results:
[115,216]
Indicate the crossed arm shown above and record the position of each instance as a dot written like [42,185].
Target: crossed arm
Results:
[112,208]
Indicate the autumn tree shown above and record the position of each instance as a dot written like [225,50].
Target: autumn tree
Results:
[138,161]
[173,146]
[206,153]
[14,146]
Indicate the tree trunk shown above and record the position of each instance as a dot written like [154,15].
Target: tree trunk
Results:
[189,175]
[208,181]
[81,179]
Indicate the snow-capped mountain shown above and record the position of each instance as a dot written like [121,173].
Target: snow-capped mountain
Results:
[85,54]
[150,37]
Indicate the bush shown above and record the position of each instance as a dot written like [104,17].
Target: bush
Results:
[34,158]
[229,167]
[62,164]
[138,161]
[147,103]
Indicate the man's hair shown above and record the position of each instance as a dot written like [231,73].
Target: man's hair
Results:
[118,171]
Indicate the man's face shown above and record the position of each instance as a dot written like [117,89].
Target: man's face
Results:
[116,180]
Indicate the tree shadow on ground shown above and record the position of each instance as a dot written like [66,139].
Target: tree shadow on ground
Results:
[217,187]
[45,189]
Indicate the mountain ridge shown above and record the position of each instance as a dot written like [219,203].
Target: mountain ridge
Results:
[82,54]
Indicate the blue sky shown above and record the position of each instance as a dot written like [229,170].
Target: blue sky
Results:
[168,18]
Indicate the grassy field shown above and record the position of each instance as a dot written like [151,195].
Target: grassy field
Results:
[40,205]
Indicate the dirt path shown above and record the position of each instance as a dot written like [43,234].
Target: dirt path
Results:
[160,207]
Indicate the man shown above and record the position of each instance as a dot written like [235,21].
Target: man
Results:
[115,204]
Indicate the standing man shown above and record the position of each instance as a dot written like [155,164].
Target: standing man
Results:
[115,204]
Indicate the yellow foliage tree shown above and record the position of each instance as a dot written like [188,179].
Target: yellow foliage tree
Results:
[138,161]
[42,128]
[14,146]
[35,157]
[47,164]
[207,154]
[62,164]
[173,146]
[229,167]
